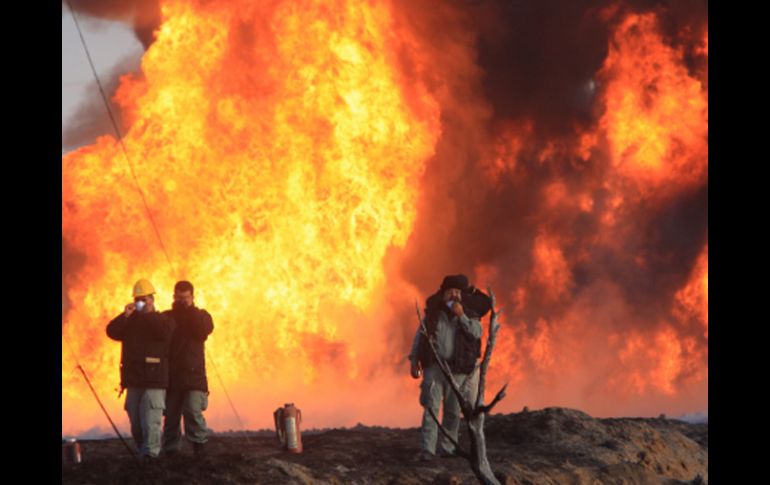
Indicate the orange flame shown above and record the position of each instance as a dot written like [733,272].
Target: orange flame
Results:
[653,133]
[693,300]
[656,118]
[505,153]
[552,272]
[656,362]
[280,147]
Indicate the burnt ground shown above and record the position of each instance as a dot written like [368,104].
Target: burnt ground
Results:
[549,446]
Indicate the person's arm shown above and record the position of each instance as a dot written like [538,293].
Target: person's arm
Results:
[415,369]
[415,346]
[201,325]
[470,326]
[161,326]
[118,327]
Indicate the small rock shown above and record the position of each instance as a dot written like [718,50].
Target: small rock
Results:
[698,480]
[525,410]
[342,468]
[298,472]
[505,479]
[611,444]
[446,478]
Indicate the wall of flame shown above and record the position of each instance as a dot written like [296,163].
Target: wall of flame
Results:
[314,168]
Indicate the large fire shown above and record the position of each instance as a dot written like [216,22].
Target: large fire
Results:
[277,146]
[652,138]
[276,156]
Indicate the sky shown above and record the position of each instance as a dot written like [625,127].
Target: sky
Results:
[110,44]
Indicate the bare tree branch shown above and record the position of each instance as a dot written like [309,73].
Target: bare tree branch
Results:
[465,386]
[494,327]
[486,409]
[423,330]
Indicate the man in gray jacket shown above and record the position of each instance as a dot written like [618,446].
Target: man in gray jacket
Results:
[458,341]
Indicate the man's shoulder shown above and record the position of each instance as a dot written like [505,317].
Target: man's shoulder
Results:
[118,317]
[433,302]
[164,316]
[202,312]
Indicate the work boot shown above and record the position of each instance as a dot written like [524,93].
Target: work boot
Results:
[199,450]
[149,463]
[446,454]
[171,453]
[425,456]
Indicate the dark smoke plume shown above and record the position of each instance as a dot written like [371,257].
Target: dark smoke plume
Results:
[143,15]
[522,62]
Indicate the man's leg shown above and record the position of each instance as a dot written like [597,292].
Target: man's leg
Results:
[471,390]
[430,398]
[151,409]
[133,401]
[195,402]
[172,426]
[451,418]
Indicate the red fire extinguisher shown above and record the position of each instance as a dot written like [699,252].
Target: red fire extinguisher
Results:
[287,421]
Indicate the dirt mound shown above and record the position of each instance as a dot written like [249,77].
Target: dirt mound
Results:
[549,446]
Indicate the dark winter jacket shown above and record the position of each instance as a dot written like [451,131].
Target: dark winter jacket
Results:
[188,358]
[467,348]
[144,351]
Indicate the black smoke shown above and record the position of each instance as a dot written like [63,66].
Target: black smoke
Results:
[538,62]
[143,15]
[91,118]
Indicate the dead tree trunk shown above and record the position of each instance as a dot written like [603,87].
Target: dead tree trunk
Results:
[473,412]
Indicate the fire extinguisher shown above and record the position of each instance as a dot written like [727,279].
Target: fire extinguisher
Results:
[287,421]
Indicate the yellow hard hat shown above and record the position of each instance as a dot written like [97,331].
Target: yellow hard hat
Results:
[143,288]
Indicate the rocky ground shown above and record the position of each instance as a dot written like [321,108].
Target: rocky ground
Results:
[549,446]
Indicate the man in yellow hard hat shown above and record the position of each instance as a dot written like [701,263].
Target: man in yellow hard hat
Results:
[145,335]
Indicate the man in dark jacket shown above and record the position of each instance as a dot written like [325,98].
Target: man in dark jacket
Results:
[457,330]
[145,335]
[188,387]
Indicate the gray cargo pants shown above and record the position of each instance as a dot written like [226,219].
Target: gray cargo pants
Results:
[191,405]
[145,411]
[433,397]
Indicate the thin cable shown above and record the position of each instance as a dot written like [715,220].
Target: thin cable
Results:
[93,391]
[221,382]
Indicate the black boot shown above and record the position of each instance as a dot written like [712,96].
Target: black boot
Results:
[199,450]
[171,453]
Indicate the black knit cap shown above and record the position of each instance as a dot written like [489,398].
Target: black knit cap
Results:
[459,281]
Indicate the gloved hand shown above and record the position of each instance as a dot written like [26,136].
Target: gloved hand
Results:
[416,370]
[457,309]
[130,308]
